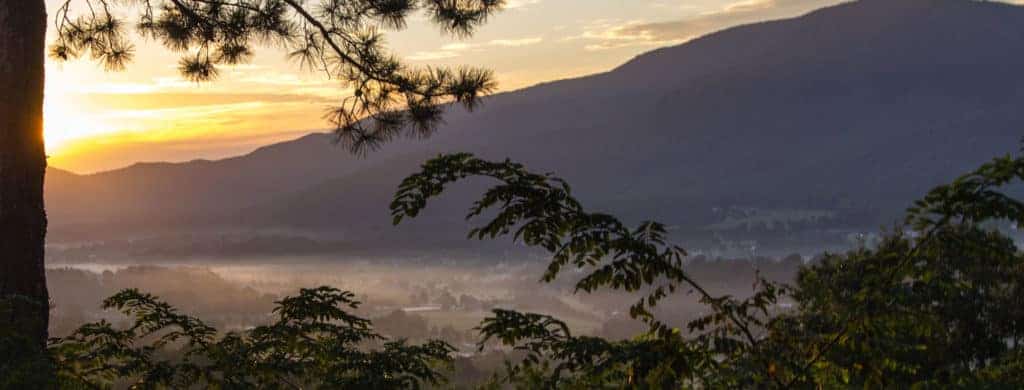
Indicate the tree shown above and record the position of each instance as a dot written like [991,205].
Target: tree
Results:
[22,166]
[936,304]
[313,342]
[338,37]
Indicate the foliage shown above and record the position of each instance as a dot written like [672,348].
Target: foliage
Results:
[543,213]
[314,342]
[23,364]
[341,38]
[935,304]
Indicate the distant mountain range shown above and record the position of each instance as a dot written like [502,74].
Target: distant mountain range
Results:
[837,119]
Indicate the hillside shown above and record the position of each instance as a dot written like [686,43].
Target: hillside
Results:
[787,118]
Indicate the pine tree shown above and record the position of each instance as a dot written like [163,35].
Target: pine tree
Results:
[24,305]
[341,38]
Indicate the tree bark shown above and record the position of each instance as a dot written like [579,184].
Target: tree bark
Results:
[22,168]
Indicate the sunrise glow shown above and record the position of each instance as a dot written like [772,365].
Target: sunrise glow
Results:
[64,123]
[97,120]
[557,194]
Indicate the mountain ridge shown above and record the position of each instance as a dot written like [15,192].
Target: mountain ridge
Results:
[792,114]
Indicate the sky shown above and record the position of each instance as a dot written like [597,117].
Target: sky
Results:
[97,120]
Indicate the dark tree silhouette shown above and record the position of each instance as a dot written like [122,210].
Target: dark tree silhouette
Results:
[338,37]
[936,308]
[314,341]
[22,166]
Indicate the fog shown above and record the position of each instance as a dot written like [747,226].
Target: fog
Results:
[444,298]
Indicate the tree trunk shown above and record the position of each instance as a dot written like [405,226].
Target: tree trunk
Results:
[22,168]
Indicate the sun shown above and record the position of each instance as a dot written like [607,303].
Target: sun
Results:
[64,122]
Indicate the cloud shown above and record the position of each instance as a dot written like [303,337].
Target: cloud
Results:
[432,55]
[452,50]
[749,6]
[516,4]
[516,42]
[460,46]
[233,79]
[94,115]
[105,102]
[118,150]
[186,127]
[606,35]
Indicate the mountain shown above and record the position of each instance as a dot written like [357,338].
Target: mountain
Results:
[837,119]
